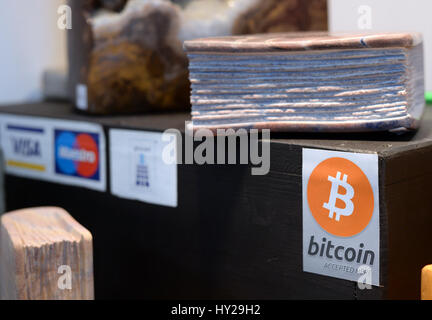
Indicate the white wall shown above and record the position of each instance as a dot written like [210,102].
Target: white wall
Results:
[30,42]
[387,15]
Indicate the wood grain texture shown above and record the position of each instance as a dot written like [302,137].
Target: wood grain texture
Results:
[35,243]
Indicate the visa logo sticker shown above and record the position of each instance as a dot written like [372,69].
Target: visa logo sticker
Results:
[77,154]
[24,147]
[341,234]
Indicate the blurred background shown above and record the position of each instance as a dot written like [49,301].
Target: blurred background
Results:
[386,15]
[32,42]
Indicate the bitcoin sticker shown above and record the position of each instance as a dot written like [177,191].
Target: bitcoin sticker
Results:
[340,197]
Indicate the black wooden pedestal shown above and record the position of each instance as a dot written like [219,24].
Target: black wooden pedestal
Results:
[234,235]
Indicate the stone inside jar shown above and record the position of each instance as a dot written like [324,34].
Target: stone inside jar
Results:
[137,62]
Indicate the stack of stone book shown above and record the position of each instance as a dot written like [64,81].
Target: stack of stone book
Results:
[307,82]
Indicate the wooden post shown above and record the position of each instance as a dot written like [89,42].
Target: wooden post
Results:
[426,283]
[45,255]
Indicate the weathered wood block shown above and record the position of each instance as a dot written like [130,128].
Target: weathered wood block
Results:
[234,235]
[45,255]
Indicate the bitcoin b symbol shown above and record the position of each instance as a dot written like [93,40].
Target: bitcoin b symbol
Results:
[334,195]
[331,198]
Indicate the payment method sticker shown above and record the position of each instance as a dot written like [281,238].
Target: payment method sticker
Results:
[25,145]
[67,152]
[341,215]
[138,170]
[77,154]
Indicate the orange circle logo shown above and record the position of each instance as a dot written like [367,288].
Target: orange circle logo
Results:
[340,197]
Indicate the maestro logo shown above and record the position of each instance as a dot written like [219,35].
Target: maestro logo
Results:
[340,197]
[77,154]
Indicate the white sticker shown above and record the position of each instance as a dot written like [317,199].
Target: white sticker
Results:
[81,96]
[68,152]
[138,170]
[341,234]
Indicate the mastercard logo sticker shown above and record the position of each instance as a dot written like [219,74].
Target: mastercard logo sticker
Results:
[340,197]
[77,154]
